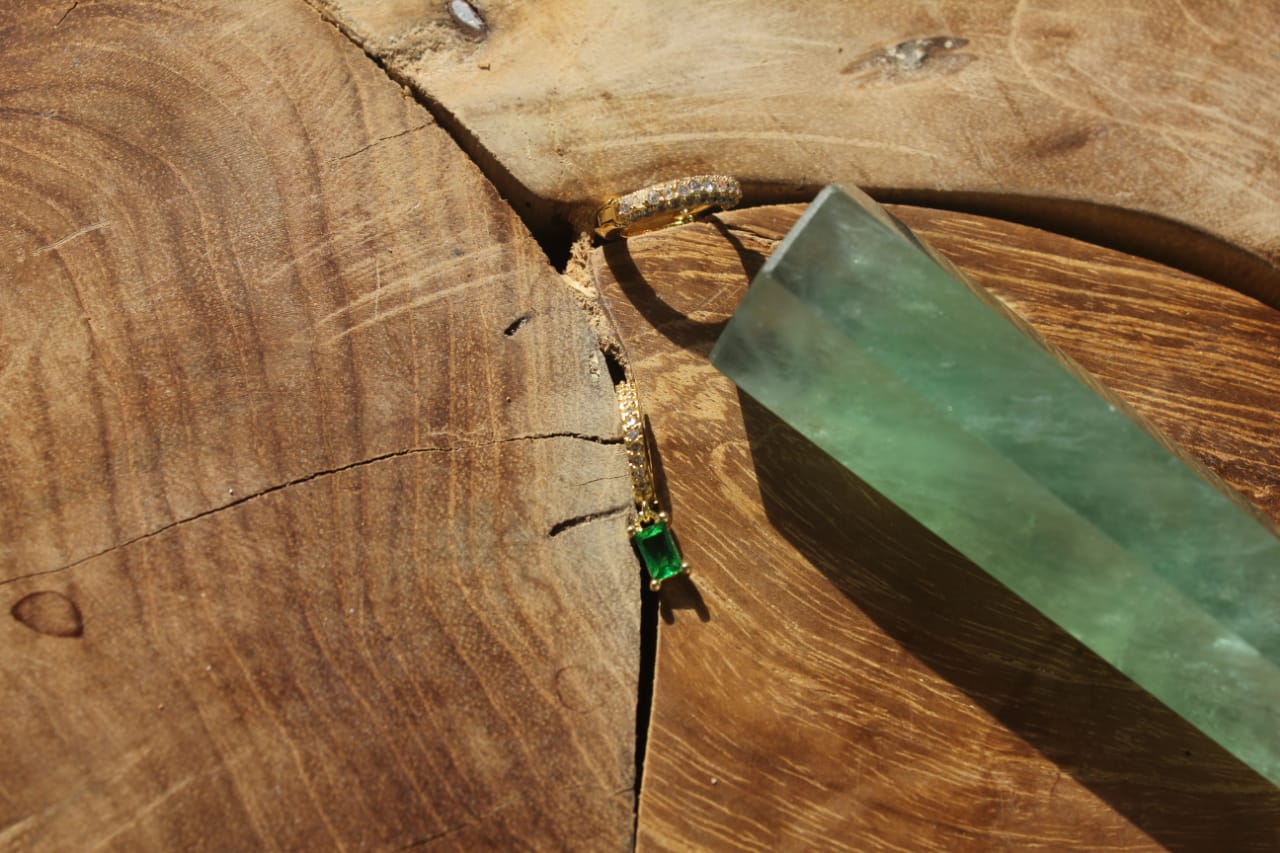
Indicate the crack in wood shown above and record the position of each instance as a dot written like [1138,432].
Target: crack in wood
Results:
[545,219]
[379,141]
[517,324]
[579,520]
[70,9]
[297,481]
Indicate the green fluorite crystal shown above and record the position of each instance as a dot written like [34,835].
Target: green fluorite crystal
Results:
[923,386]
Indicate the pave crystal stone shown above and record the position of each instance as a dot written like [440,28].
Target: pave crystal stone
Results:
[658,551]
[926,389]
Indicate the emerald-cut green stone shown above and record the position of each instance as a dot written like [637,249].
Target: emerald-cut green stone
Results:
[926,388]
[658,551]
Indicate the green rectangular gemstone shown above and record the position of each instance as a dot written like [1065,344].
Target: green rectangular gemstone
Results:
[658,551]
[928,390]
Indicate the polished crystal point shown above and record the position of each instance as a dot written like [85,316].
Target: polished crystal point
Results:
[926,388]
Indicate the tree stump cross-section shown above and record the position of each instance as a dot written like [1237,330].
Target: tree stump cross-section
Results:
[311,506]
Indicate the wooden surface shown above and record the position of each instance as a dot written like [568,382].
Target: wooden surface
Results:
[836,676]
[311,506]
[309,497]
[1063,113]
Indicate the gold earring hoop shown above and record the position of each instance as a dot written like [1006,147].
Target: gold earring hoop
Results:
[666,204]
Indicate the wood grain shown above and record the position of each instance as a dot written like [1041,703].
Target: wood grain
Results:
[1059,112]
[835,676]
[310,497]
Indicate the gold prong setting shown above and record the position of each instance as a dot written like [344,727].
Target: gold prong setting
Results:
[649,527]
[638,464]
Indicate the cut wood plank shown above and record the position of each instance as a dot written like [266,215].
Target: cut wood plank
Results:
[311,525]
[835,676]
[1160,108]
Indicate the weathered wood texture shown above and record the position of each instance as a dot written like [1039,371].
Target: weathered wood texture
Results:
[291,409]
[838,677]
[1162,108]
